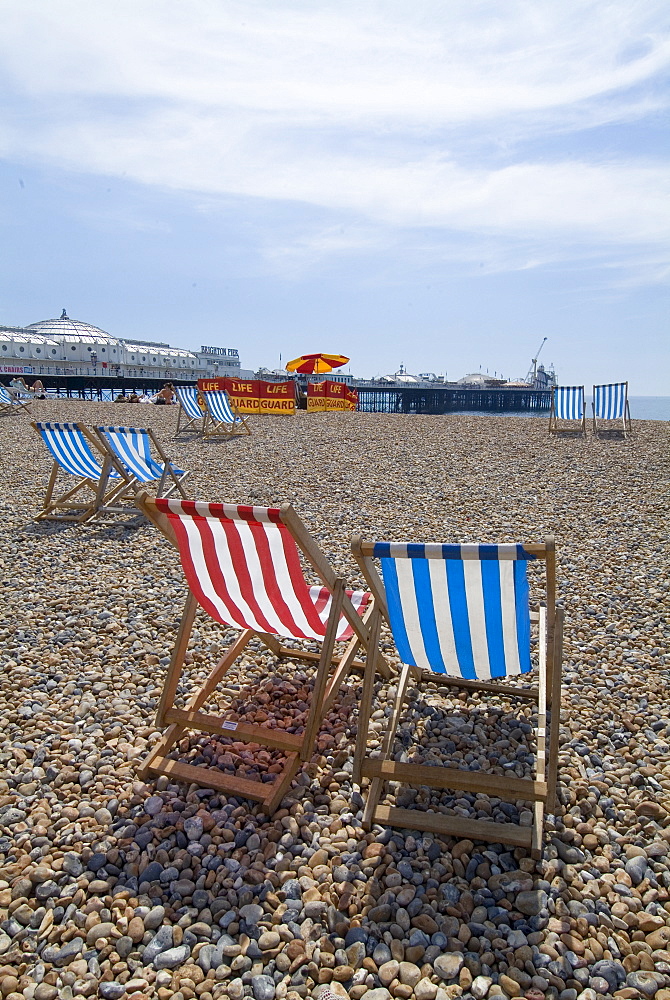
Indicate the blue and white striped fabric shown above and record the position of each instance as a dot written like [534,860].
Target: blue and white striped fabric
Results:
[460,610]
[569,402]
[131,446]
[5,397]
[610,400]
[218,405]
[188,397]
[69,447]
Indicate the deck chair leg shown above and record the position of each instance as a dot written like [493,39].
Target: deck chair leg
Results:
[316,709]
[554,731]
[103,482]
[177,659]
[280,787]
[348,660]
[222,667]
[174,731]
[50,487]
[537,830]
[365,708]
[164,745]
[375,790]
[63,499]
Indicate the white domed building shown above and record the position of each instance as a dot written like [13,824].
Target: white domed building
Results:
[66,347]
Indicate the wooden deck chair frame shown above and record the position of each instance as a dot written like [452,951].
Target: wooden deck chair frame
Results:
[214,426]
[566,425]
[191,420]
[113,485]
[10,403]
[608,425]
[297,748]
[171,480]
[541,790]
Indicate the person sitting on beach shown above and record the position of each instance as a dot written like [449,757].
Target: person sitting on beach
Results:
[132,398]
[38,389]
[17,386]
[165,396]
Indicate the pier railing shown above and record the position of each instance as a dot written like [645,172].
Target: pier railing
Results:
[441,400]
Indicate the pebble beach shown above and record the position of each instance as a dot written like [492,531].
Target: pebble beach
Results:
[123,889]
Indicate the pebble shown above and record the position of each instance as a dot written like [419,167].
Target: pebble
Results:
[108,882]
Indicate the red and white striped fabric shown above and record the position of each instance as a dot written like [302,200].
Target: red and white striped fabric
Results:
[242,565]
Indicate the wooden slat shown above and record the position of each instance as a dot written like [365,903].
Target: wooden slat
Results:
[176,666]
[533,548]
[219,670]
[279,788]
[501,785]
[365,706]
[537,830]
[316,708]
[246,732]
[554,731]
[210,777]
[377,784]
[164,745]
[454,826]
[529,694]
[309,654]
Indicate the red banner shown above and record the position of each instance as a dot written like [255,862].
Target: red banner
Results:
[253,395]
[277,397]
[316,397]
[329,396]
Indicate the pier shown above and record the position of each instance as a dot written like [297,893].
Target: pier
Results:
[423,399]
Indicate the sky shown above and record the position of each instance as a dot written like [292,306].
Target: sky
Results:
[438,185]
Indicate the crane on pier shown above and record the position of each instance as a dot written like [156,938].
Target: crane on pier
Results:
[532,371]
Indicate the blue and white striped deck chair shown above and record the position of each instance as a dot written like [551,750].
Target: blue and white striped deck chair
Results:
[77,453]
[12,403]
[221,417]
[460,615]
[610,402]
[567,406]
[189,409]
[131,447]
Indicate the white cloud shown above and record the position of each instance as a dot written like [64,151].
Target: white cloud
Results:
[344,62]
[368,110]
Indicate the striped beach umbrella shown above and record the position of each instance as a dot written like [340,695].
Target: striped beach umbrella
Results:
[316,364]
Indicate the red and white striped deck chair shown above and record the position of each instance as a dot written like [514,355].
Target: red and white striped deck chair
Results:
[243,567]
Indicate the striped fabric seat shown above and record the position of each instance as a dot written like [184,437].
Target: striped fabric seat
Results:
[220,416]
[610,402]
[218,405]
[11,403]
[460,610]
[567,404]
[70,448]
[190,416]
[132,447]
[242,564]
[188,398]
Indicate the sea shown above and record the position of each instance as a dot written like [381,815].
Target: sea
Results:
[641,408]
